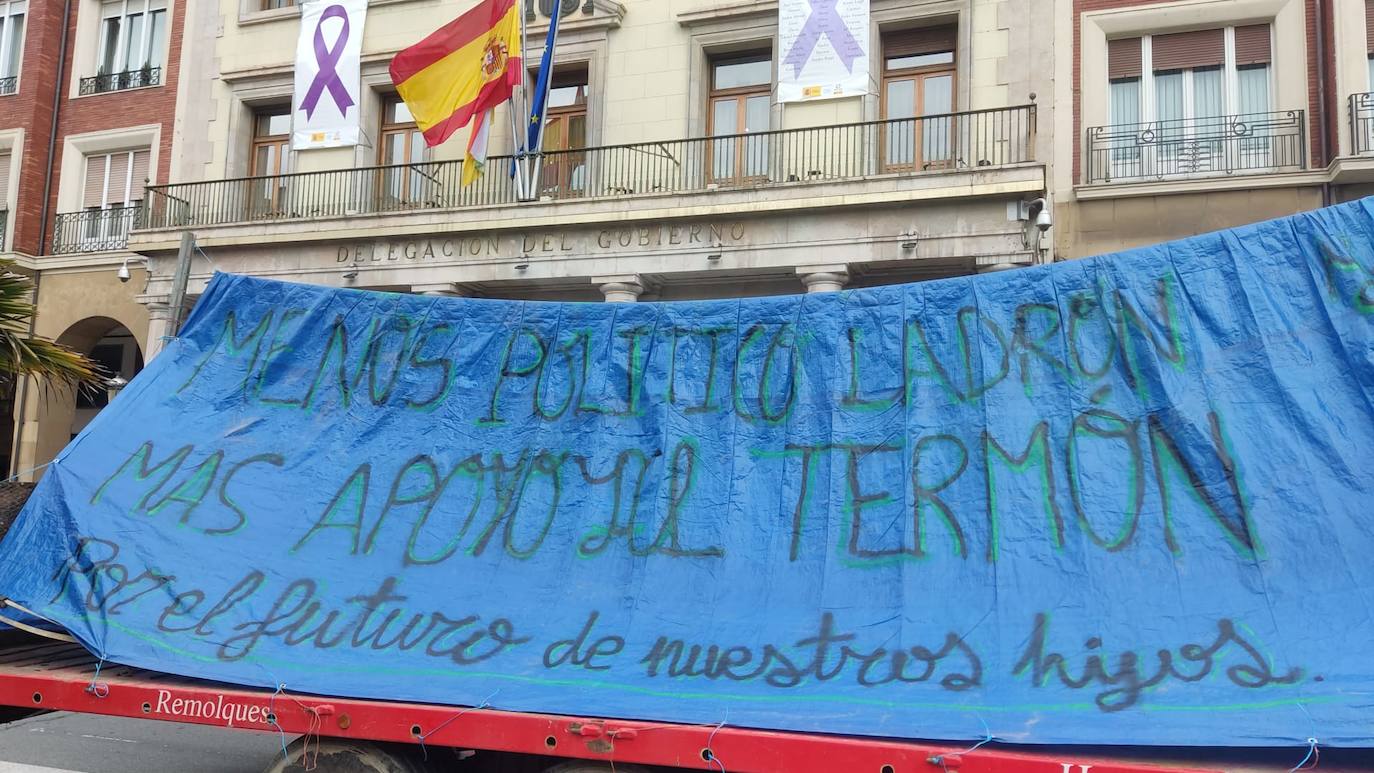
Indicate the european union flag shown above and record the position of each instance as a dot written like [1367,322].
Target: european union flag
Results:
[541,86]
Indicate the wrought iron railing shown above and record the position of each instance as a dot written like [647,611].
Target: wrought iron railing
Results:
[1197,147]
[9,84]
[1362,123]
[93,230]
[119,81]
[983,138]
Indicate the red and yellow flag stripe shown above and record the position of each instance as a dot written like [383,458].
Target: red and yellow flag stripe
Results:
[462,69]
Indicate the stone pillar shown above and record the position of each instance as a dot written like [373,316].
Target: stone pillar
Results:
[159,325]
[442,289]
[620,289]
[824,279]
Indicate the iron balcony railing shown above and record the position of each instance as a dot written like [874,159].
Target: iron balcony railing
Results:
[119,81]
[984,138]
[93,230]
[1362,123]
[9,85]
[1253,143]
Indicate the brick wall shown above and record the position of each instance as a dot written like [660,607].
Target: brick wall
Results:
[30,109]
[1313,108]
[98,112]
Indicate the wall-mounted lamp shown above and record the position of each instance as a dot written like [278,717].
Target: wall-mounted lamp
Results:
[114,385]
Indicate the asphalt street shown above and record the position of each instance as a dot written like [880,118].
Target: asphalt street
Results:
[87,743]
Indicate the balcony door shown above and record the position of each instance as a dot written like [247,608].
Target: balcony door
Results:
[564,173]
[740,103]
[1191,104]
[111,194]
[270,153]
[919,131]
[132,37]
[12,14]
[404,182]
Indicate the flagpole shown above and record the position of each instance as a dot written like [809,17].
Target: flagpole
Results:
[544,99]
[517,141]
[524,191]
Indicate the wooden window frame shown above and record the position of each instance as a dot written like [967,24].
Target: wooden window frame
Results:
[395,185]
[274,199]
[918,75]
[562,186]
[741,95]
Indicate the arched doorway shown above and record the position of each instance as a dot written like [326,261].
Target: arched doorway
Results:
[118,354]
[62,413]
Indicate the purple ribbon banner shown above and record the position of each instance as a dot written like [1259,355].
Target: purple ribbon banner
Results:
[327,78]
[824,21]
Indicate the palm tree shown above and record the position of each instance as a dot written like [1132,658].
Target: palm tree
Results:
[23,354]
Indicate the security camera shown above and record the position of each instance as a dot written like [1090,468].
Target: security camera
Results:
[123,272]
[1042,220]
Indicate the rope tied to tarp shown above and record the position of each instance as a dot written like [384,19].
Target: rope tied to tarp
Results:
[420,737]
[710,753]
[939,759]
[97,688]
[1314,756]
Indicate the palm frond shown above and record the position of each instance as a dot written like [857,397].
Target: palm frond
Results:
[22,354]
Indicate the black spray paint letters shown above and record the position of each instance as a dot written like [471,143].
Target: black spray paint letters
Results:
[545,373]
[1122,684]
[295,614]
[511,502]
[827,655]
[953,499]
[954,488]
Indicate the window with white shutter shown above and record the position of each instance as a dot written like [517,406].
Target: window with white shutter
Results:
[114,179]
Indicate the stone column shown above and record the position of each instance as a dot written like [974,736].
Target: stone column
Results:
[442,289]
[159,325]
[620,289]
[824,279]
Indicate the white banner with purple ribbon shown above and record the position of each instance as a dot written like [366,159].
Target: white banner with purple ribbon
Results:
[824,47]
[325,107]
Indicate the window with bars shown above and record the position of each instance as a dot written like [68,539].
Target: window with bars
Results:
[740,102]
[918,81]
[12,15]
[1186,94]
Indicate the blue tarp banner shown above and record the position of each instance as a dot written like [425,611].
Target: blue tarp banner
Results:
[1124,500]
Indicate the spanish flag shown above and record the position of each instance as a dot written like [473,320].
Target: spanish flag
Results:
[463,69]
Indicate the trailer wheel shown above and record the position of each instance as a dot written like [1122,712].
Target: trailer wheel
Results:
[338,755]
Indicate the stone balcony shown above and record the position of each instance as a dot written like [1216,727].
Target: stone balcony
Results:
[932,191]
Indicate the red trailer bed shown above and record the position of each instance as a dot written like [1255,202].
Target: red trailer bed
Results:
[40,674]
